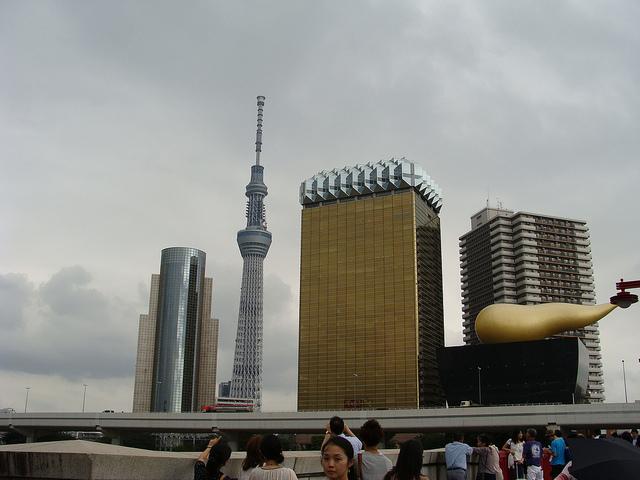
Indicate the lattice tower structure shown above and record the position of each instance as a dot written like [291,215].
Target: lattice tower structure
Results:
[254,242]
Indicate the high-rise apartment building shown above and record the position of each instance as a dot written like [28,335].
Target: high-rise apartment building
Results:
[371,314]
[254,242]
[527,258]
[177,339]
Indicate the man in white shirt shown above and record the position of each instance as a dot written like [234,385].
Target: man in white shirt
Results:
[336,426]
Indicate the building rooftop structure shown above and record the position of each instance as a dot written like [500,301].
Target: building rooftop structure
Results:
[369,178]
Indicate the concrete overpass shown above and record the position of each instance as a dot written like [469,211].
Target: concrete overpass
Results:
[595,416]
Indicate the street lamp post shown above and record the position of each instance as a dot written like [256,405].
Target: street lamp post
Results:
[26,399]
[624,379]
[479,385]
[84,395]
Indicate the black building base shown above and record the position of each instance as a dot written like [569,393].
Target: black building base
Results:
[542,371]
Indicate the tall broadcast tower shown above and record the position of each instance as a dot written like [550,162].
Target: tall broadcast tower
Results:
[254,242]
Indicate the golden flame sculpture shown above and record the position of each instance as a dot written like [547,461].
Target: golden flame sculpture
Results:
[506,322]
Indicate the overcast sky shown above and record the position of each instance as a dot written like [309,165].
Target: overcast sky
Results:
[128,127]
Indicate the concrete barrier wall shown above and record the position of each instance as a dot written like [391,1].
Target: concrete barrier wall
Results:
[79,460]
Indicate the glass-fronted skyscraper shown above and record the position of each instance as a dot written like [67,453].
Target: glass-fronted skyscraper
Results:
[177,345]
[371,314]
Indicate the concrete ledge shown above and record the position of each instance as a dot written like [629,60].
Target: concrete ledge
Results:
[80,459]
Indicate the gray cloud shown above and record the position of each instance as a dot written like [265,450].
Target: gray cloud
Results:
[15,293]
[280,336]
[65,328]
[127,128]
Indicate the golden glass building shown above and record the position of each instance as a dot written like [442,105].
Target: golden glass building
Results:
[371,315]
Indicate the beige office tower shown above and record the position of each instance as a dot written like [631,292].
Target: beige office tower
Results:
[528,258]
[208,357]
[146,347]
[371,315]
[177,339]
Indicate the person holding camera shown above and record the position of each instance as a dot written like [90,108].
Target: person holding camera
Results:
[212,459]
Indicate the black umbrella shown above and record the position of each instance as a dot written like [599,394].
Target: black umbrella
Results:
[601,459]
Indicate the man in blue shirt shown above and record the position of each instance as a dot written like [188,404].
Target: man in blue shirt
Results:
[456,454]
[557,449]
[532,455]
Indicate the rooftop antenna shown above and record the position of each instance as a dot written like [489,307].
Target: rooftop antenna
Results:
[259,130]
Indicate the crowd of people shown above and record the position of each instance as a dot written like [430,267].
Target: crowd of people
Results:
[525,454]
[524,451]
[345,456]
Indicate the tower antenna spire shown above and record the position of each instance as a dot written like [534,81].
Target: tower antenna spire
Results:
[254,242]
[259,130]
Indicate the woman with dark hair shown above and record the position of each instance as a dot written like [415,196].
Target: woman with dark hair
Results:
[488,459]
[272,469]
[337,458]
[253,458]
[515,446]
[372,464]
[214,457]
[409,463]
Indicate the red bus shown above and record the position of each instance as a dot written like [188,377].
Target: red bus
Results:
[228,404]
